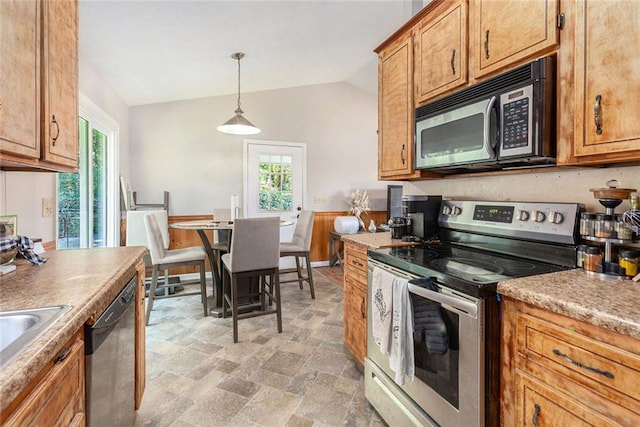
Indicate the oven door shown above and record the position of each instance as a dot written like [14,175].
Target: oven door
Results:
[449,382]
[464,136]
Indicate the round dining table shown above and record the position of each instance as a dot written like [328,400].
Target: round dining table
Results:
[224,229]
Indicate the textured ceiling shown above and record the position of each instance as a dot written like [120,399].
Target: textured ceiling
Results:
[158,51]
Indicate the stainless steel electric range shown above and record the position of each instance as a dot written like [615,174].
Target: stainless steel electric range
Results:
[480,243]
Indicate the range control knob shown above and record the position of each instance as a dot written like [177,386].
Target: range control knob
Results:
[446,210]
[456,210]
[555,217]
[522,215]
[538,216]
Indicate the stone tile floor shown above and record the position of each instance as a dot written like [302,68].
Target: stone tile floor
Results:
[197,376]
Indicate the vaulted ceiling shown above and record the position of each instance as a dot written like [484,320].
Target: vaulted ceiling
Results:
[157,51]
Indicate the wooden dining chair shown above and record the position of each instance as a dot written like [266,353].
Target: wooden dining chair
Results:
[300,247]
[254,255]
[164,259]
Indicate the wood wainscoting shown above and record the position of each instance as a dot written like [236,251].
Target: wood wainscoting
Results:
[322,226]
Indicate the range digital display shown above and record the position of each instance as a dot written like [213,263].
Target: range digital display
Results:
[493,213]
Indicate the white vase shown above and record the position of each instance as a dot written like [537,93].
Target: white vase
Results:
[346,224]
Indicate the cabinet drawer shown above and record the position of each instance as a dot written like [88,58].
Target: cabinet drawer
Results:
[355,265]
[540,405]
[614,372]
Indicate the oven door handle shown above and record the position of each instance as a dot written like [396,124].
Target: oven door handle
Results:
[465,307]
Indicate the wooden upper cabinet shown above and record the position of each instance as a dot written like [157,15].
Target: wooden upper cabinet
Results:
[60,78]
[20,82]
[39,85]
[503,33]
[606,85]
[441,51]
[395,109]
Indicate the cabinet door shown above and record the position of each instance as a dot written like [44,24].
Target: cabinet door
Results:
[20,82]
[60,115]
[506,32]
[441,61]
[539,405]
[607,49]
[355,319]
[395,109]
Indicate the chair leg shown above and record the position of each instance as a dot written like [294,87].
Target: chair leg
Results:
[234,302]
[225,284]
[299,271]
[275,280]
[310,276]
[152,291]
[203,289]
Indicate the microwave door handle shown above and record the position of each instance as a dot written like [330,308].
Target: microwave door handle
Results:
[487,127]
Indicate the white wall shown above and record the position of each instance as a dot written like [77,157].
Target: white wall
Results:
[572,185]
[183,153]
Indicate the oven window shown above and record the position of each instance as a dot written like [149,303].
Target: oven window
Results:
[436,347]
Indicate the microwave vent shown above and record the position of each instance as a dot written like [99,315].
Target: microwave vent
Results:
[516,77]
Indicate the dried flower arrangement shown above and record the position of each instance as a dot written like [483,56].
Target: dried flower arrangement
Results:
[359,204]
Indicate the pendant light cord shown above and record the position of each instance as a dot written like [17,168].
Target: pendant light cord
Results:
[239,56]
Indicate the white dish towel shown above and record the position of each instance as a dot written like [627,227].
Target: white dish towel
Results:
[381,308]
[401,357]
[392,322]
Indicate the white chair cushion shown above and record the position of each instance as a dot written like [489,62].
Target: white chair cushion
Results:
[184,254]
[291,247]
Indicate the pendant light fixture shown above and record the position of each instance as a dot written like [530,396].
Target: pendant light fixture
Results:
[238,125]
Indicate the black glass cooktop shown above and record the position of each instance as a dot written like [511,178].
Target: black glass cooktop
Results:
[471,271]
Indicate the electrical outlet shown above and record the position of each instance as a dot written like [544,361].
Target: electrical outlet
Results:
[47,207]
[319,200]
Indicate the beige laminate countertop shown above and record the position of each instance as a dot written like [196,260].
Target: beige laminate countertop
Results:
[374,240]
[86,279]
[610,304]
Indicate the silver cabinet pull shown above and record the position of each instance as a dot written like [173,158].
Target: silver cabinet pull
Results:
[580,365]
[55,122]
[597,114]
[486,45]
[536,414]
[453,64]
[402,157]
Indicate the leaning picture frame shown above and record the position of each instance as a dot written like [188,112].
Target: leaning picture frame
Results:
[8,226]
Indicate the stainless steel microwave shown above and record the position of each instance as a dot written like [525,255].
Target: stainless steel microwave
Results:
[507,121]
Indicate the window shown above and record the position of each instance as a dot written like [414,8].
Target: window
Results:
[276,177]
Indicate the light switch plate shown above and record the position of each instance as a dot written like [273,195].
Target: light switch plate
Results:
[47,207]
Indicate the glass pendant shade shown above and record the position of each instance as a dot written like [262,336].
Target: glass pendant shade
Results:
[238,125]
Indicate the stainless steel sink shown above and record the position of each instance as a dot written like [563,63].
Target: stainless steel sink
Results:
[19,328]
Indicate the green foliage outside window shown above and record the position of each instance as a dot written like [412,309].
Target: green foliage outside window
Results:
[275,185]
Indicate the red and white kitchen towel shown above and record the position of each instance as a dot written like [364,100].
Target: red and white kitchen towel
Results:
[392,322]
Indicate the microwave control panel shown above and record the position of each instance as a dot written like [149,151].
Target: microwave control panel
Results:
[550,222]
[516,122]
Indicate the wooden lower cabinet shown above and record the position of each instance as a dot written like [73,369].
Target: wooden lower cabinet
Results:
[355,318]
[560,371]
[140,330]
[57,399]
[355,300]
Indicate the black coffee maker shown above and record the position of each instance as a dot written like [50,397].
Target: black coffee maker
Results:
[421,211]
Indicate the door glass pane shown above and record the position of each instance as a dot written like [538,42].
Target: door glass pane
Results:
[99,187]
[69,198]
[275,183]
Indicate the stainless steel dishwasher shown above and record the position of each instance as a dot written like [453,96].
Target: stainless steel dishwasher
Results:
[110,363]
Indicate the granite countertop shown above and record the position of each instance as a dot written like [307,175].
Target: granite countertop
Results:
[374,240]
[607,303]
[86,279]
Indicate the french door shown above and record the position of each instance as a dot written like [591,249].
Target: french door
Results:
[87,214]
